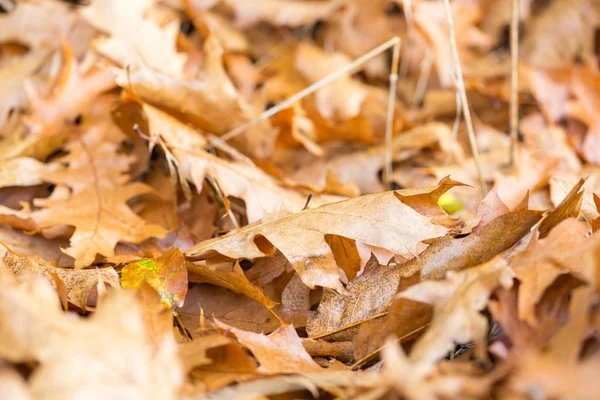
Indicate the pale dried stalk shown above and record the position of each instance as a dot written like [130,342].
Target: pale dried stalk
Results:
[463,95]
[389,122]
[346,69]
[424,75]
[514,82]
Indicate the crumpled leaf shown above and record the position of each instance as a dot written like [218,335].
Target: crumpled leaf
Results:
[568,208]
[292,13]
[73,91]
[97,204]
[544,260]
[450,254]
[457,301]
[167,274]
[559,33]
[368,295]
[24,171]
[235,281]
[279,352]
[262,193]
[79,284]
[135,39]
[340,100]
[300,236]
[33,328]
[12,80]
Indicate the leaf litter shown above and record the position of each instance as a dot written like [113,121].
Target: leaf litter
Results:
[173,226]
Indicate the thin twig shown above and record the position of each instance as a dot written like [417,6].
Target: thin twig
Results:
[348,68]
[514,82]
[389,122]
[410,28]
[463,94]
[424,76]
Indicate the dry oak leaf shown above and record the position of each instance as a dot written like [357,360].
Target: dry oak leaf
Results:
[368,296]
[13,74]
[73,91]
[560,32]
[454,254]
[362,167]
[538,266]
[457,303]
[24,171]
[33,328]
[262,193]
[135,39]
[29,24]
[167,274]
[277,353]
[341,99]
[281,13]
[97,206]
[380,220]
[79,284]
[235,281]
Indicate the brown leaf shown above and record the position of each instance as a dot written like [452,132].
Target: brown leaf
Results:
[79,284]
[368,295]
[279,352]
[63,343]
[457,302]
[235,281]
[97,206]
[450,254]
[300,236]
[559,33]
[538,266]
[294,13]
[134,37]
[568,208]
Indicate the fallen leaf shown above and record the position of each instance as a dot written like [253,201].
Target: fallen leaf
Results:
[450,254]
[300,236]
[167,274]
[79,284]
[62,344]
[457,302]
[294,13]
[235,281]
[279,352]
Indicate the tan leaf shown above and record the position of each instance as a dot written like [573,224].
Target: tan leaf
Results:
[457,301]
[568,208]
[12,79]
[491,207]
[235,281]
[293,13]
[279,352]
[79,284]
[559,33]
[340,100]
[97,206]
[63,343]
[134,38]
[262,193]
[73,92]
[194,353]
[538,266]
[368,295]
[24,171]
[301,236]
[450,254]
[29,24]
